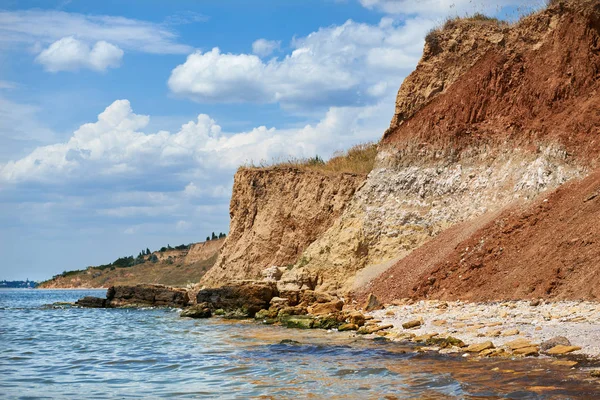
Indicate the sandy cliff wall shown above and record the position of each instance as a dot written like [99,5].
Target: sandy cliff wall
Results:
[516,115]
[275,214]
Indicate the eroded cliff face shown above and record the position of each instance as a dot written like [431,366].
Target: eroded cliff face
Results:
[275,214]
[515,113]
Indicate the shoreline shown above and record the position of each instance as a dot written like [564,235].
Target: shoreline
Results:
[502,323]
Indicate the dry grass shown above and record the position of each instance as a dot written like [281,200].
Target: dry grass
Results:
[359,159]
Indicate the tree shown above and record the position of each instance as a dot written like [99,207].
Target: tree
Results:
[148,252]
[213,236]
[208,238]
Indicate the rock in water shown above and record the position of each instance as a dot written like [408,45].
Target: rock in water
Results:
[241,300]
[91,302]
[372,303]
[197,311]
[146,295]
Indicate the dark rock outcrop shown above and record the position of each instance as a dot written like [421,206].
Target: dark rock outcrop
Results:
[91,302]
[197,311]
[138,296]
[147,295]
[240,300]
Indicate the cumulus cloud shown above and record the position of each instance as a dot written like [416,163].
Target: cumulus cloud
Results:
[70,54]
[38,28]
[115,148]
[264,47]
[334,66]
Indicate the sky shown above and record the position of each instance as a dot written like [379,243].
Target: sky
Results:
[122,123]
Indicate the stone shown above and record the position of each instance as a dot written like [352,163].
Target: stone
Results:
[555,341]
[197,311]
[439,322]
[365,330]
[493,333]
[478,347]
[289,341]
[372,304]
[491,352]
[510,332]
[445,342]
[296,310]
[242,299]
[146,295]
[412,324]
[308,297]
[425,337]
[298,322]
[348,327]
[356,318]
[272,274]
[518,344]
[91,302]
[535,302]
[325,308]
[561,349]
[595,373]
[527,351]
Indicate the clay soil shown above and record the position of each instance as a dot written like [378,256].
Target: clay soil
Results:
[548,249]
[539,85]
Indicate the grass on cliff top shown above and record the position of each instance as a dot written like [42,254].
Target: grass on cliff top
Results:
[359,159]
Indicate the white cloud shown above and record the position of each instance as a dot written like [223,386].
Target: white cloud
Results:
[38,28]
[114,148]
[333,66]
[264,47]
[70,54]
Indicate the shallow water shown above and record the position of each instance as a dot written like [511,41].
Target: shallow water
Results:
[77,353]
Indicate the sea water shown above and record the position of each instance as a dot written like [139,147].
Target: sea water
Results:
[61,352]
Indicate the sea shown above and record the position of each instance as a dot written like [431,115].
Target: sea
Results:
[51,350]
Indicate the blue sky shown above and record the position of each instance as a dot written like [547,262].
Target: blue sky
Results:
[122,123]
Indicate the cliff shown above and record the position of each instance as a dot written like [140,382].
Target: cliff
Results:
[172,267]
[275,214]
[493,116]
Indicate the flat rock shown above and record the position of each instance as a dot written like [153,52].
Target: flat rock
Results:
[561,349]
[527,351]
[518,344]
[348,327]
[510,332]
[478,347]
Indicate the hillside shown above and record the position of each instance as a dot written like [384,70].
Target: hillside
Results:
[493,117]
[170,267]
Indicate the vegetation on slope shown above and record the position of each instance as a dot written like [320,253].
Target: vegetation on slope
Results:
[359,159]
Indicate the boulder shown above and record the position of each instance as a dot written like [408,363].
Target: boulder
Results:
[555,341]
[91,302]
[527,351]
[272,274]
[241,300]
[197,311]
[372,304]
[146,295]
[412,324]
[298,321]
[477,347]
[356,318]
[347,327]
[445,342]
[326,308]
[518,344]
